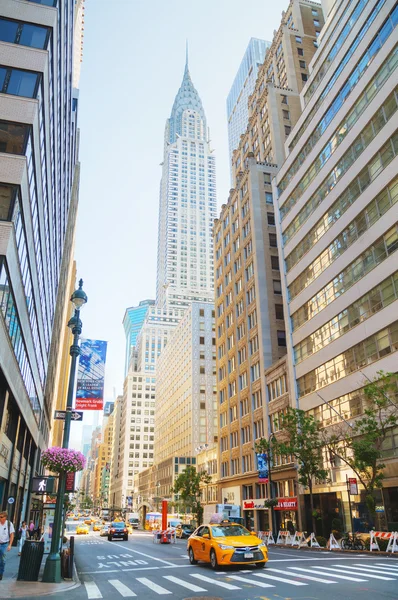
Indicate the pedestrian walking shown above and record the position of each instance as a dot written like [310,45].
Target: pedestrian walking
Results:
[31,529]
[6,538]
[23,530]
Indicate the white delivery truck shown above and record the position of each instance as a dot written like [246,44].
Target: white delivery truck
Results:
[219,512]
[133,519]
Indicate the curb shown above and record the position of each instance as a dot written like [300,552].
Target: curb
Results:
[337,550]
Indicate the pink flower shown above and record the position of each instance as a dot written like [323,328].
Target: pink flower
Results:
[63,459]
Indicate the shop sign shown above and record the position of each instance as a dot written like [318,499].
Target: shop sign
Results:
[286,504]
[379,508]
[352,486]
[256,504]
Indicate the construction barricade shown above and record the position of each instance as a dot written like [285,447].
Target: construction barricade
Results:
[333,543]
[393,542]
[299,539]
[313,541]
[284,538]
[382,535]
[266,537]
[167,536]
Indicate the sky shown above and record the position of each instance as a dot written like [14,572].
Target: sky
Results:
[133,64]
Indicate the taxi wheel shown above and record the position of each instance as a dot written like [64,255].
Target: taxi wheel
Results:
[261,565]
[192,558]
[213,559]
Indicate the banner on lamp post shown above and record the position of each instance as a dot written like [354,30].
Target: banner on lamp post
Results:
[353,486]
[90,376]
[262,465]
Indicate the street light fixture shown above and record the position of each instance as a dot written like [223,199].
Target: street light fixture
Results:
[52,568]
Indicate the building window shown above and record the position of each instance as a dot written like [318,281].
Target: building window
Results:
[275,263]
[277,286]
[287,129]
[302,64]
[25,34]
[279,311]
[304,77]
[298,39]
[272,240]
[286,113]
[281,338]
[300,51]
[268,198]
[270,218]
[257,400]
[13,137]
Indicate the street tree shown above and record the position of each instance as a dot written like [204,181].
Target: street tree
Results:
[300,437]
[187,486]
[359,444]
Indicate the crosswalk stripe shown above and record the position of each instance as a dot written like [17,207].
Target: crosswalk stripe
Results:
[227,586]
[246,580]
[390,566]
[189,586]
[263,575]
[327,574]
[377,570]
[153,586]
[121,588]
[92,590]
[303,576]
[354,571]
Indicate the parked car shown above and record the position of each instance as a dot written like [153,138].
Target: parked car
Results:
[82,529]
[226,544]
[118,529]
[104,531]
[184,530]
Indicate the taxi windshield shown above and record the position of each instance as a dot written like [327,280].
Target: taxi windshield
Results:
[229,530]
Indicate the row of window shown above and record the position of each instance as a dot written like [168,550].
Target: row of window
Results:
[362,222]
[18,82]
[366,352]
[340,133]
[367,135]
[26,34]
[378,41]
[373,256]
[277,388]
[337,44]
[371,303]
[351,193]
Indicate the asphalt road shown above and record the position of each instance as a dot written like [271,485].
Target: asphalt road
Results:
[144,570]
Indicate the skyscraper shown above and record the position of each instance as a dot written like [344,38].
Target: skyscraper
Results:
[242,88]
[39,182]
[187,206]
[132,322]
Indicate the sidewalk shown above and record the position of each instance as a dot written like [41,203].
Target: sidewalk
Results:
[11,588]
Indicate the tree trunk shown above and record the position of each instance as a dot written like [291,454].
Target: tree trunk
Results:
[312,506]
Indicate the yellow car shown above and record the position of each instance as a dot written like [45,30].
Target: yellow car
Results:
[82,529]
[87,521]
[97,526]
[75,518]
[226,544]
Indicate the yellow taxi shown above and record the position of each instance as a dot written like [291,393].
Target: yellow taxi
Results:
[75,518]
[97,526]
[87,521]
[82,529]
[224,544]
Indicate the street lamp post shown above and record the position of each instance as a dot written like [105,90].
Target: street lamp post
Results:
[270,487]
[52,568]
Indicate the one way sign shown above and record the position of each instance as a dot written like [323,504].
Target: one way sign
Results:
[59,415]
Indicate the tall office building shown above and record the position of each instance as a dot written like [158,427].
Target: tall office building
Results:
[187,206]
[132,322]
[338,233]
[39,179]
[250,327]
[242,88]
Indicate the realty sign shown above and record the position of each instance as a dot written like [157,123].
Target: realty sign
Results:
[70,482]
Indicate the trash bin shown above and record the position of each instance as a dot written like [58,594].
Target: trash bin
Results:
[31,557]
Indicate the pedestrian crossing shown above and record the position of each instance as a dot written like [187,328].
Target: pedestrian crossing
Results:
[270,577]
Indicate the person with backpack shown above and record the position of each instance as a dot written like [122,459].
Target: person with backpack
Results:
[22,533]
[6,538]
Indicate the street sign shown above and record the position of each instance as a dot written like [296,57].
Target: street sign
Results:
[11,500]
[43,485]
[70,482]
[59,415]
[352,486]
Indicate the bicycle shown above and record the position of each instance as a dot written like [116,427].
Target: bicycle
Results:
[352,542]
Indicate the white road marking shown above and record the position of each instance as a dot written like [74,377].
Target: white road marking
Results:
[302,576]
[388,565]
[153,586]
[251,581]
[227,586]
[121,588]
[184,555]
[332,574]
[166,562]
[370,569]
[189,586]
[354,570]
[263,575]
[92,590]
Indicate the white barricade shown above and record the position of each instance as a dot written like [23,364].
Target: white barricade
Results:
[284,538]
[393,542]
[299,539]
[267,537]
[373,541]
[313,541]
[333,543]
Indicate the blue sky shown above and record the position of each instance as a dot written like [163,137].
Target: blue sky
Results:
[133,63]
